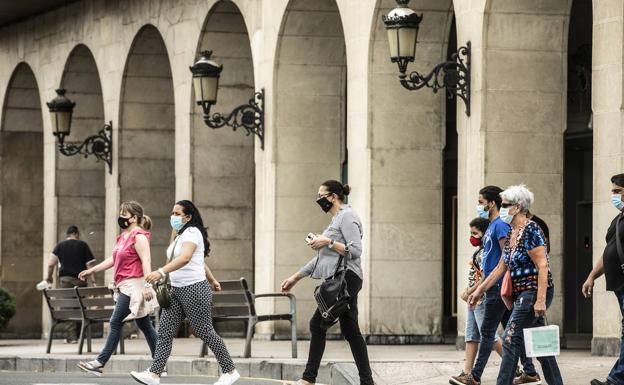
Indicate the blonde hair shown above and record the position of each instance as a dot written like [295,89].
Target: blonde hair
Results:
[134,208]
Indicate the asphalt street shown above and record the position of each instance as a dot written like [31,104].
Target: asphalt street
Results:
[19,378]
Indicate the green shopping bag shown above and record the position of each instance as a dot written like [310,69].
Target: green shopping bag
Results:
[542,341]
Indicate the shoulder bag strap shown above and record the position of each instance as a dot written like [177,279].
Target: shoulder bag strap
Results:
[618,242]
[170,258]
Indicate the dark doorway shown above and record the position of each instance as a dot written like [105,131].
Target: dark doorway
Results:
[450,207]
[578,179]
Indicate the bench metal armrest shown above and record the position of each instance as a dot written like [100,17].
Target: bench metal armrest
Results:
[291,297]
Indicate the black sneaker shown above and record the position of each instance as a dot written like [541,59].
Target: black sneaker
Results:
[94,367]
[598,382]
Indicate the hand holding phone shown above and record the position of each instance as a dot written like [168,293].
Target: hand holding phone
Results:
[310,237]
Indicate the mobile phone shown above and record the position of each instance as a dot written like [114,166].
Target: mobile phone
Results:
[310,237]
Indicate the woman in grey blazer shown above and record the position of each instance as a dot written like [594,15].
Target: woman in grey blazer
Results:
[343,237]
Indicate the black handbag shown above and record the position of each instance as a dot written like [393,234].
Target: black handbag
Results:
[164,285]
[332,296]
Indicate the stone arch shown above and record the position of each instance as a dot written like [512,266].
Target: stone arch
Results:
[80,182]
[407,141]
[21,200]
[223,167]
[524,99]
[309,128]
[147,135]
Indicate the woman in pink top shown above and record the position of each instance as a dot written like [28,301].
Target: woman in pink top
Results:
[132,260]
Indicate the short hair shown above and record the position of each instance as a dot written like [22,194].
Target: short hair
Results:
[492,194]
[480,224]
[519,195]
[618,180]
[72,230]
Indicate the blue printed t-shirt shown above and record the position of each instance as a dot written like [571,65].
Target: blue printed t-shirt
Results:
[491,248]
[523,270]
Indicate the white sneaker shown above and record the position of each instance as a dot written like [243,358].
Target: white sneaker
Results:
[146,378]
[162,374]
[228,379]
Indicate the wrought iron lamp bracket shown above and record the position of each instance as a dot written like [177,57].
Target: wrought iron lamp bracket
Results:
[453,75]
[248,116]
[99,145]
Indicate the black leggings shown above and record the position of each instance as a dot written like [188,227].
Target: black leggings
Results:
[350,329]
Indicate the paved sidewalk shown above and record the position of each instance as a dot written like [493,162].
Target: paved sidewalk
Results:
[392,365]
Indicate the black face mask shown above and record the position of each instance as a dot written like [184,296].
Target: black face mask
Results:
[124,223]
[325,204]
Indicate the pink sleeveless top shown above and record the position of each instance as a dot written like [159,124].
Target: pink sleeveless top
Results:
[126,259]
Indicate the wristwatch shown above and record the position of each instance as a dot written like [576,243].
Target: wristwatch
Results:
[331,244]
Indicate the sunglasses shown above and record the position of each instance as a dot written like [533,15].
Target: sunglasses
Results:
[508,205]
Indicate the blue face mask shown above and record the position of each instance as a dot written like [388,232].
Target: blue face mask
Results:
[616,200]
[504,215]
[176,222]
[482,212]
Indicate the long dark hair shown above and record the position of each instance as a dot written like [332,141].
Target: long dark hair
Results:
[188,208]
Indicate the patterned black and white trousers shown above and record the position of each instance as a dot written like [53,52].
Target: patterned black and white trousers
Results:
[195,303]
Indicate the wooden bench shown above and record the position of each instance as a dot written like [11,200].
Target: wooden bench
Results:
[87,305]
[236,303]
[97,306]
[64,307]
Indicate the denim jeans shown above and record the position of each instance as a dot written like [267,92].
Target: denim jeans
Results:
[495,313]
[616,376]
[474,319]
[122,310]
[523,316]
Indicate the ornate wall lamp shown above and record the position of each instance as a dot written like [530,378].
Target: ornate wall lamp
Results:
[454,75]
[100,145]
[249,116]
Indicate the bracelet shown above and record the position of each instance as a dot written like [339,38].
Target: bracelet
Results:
[162,272]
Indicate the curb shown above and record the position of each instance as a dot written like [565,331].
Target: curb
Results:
[329,373]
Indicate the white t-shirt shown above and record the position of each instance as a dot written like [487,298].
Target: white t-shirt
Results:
[193,271]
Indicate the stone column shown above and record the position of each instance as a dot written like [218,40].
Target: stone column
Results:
[515,132]
[607,89]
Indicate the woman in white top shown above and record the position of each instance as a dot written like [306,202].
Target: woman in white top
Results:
[191,295]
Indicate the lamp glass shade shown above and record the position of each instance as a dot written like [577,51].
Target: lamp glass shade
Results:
[206,88]
[61,122]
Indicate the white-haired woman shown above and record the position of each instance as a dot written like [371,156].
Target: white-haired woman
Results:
[525,257]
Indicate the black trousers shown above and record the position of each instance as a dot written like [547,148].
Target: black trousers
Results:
[350,329]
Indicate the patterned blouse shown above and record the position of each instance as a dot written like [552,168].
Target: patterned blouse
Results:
[523,270]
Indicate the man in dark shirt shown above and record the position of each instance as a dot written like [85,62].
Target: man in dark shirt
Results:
[610,265]
[72,256]
[543,226]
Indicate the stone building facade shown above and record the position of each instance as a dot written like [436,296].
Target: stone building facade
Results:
[547,89]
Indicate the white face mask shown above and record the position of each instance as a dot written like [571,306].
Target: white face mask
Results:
[616,200]
[505,216]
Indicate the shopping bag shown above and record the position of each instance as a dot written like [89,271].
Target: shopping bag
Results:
[542,341]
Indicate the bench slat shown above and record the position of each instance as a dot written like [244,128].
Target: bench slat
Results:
[93,291]
[105,301]
[231,285]
[60,293]
[64,303]
[222,311]
[98,313]
[239,298]
[63,314]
